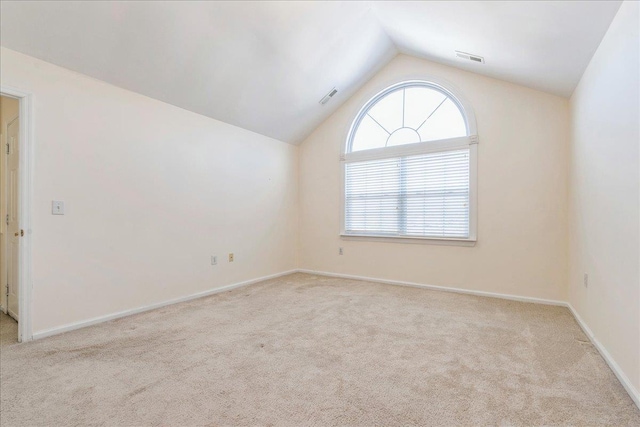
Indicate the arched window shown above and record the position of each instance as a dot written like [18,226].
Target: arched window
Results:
[409,166]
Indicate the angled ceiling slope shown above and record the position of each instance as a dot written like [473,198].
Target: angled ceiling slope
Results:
[545,45]
[264,66]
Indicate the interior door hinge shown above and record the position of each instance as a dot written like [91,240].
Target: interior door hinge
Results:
[7,219]
[7,148]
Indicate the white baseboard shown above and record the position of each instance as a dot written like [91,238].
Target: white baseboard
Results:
[439,288]
[622,377]
[106,318]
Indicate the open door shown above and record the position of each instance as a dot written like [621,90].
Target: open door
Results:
[13,227]
[16,153]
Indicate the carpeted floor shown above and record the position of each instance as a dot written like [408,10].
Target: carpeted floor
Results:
[8,331]
[304,350]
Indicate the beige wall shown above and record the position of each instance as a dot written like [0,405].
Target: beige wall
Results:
[522,208]
[9,108]
[151,191]
[604,193]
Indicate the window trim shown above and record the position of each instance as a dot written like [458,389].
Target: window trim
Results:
[470,141]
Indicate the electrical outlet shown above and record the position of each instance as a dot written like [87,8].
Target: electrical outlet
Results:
[214,260]
[340,252]
[230,257]
[586,280]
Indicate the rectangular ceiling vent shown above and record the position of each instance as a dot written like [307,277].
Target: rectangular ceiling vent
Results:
[328,96]
[470,57]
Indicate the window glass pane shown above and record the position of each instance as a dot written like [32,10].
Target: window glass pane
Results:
[406,116]
[369,135]
[403,136]
[420,102]
[446,122]
[388,111]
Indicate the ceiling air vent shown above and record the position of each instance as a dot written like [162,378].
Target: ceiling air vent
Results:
[328,96]
[470,57]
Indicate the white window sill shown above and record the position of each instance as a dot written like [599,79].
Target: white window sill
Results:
[408,239]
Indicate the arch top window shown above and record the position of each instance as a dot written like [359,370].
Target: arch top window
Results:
[407,113]
[410,166]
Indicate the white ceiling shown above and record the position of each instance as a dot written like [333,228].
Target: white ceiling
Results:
[264,66]
[545,45]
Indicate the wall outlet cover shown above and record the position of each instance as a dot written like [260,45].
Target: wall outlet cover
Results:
[57,207]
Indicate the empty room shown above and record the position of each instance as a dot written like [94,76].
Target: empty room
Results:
[314,213]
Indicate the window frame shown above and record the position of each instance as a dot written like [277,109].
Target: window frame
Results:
[470,141]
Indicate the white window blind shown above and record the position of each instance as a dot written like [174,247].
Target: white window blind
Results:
[424,195]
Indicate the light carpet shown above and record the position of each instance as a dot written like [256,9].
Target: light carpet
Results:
[8,330]
[304,350]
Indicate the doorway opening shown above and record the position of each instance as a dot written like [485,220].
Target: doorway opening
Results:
[9,218]
[15,216]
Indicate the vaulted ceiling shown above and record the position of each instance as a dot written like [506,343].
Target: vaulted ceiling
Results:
[264,66]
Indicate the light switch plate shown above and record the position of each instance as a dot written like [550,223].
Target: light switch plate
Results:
[57,208]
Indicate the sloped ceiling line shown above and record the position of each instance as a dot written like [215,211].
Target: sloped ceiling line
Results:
[264,66]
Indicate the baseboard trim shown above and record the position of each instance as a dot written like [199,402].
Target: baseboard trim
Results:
[438,288]
[622,377]
[96,320]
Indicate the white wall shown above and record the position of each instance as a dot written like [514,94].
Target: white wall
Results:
[151,191]
[522,190]
[604,205]
[9,108]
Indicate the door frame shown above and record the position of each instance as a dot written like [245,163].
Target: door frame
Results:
[25,191]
